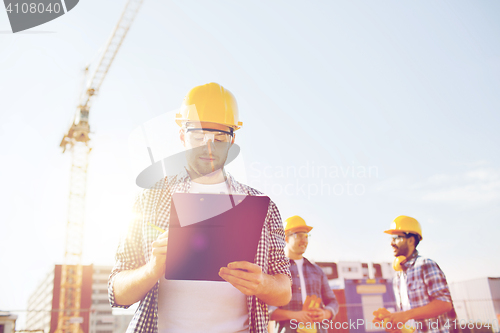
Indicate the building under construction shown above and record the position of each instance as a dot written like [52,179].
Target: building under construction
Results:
[95,312]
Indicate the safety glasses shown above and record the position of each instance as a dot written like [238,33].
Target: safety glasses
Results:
[396,237]
[203,135]
[301,235]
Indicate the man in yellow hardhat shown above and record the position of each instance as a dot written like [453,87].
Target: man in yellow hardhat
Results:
[422,294]
[208,120]
[308,279]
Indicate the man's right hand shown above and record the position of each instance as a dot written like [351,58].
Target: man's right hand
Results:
[157,262]
[131,286]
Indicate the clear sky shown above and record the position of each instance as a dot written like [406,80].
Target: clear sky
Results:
[398,101]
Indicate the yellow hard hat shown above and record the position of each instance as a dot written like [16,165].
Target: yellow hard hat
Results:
[210,103]
[296,222]
[405,224]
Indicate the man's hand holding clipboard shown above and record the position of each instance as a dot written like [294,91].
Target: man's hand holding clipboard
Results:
[250,280]
[244,276]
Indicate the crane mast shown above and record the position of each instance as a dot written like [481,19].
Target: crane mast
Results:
[76,140]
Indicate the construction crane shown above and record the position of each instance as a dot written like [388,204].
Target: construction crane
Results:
[76,140]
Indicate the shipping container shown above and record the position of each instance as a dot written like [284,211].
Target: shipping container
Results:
[477,302]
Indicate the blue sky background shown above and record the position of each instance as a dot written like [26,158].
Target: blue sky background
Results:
[408,90]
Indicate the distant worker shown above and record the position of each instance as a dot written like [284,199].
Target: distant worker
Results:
[207,121]
[308,280]
[422,295]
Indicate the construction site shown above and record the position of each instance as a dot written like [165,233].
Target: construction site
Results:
[353,114]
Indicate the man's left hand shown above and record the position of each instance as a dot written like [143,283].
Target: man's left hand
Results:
[319,315]
[244,276]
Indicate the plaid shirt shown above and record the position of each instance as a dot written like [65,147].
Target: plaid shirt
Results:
[153,206]
[316,284]
[425,282]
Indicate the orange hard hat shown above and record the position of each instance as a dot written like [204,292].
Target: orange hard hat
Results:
[405,224]
[296,222]
[210,103]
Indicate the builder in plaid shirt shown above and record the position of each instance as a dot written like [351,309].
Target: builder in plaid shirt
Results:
[422,294]
[308,279]
[208,120]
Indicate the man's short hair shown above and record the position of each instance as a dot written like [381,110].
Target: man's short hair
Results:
[416,237]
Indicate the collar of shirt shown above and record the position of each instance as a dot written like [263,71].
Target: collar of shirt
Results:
[305,261]
[184,183]
[410,261]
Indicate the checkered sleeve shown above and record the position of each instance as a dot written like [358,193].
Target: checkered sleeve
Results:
[435,280]
[278,262]
[129,254]
[328,297]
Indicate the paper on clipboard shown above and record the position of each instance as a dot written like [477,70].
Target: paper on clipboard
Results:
[200,243]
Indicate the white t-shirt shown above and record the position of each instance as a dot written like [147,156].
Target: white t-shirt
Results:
[220,188]
[405,300]
[300,265]
[201,306]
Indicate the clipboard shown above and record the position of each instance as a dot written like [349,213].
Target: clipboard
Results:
[208,231]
